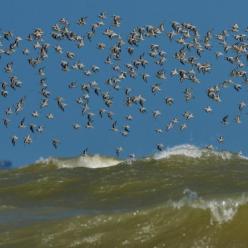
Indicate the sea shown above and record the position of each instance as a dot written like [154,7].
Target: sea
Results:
[182,197]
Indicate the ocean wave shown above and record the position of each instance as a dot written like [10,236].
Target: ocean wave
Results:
[181,150]
[93,162]
[222,210]
[98,161]
[192,151]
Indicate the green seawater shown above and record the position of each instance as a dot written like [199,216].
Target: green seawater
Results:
[173,202]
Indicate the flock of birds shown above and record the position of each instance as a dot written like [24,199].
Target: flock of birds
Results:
[189,54]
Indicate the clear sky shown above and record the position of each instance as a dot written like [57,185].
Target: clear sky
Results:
[22,17]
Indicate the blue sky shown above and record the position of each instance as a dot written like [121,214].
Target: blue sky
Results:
[22,17]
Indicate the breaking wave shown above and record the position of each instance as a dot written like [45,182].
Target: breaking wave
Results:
[222,210]
[98,161]
[191,151]
[93,162]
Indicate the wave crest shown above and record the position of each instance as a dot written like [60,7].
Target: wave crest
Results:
[192,151]
[222,211]
[93,162]
[180,150]
[98,161]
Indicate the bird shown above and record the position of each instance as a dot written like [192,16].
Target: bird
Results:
[156,113]
[208,109]
[27,139]
[76,126]
[158,130]
[60,103]
[85,152]
[160,147]
[237,119]
[225,120]
[14,140]
[50,116]
[220,139]
[55,143]
[118,150]
[6,122]
[188,115]
[114,128]
[242,105]
[183,126]
[169,101]
[21,124]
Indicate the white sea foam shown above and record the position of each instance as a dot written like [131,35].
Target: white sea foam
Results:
[192,151]
[97,161]
[222,210]
[183,150]
[242,156]
[93,162]
[48,160]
